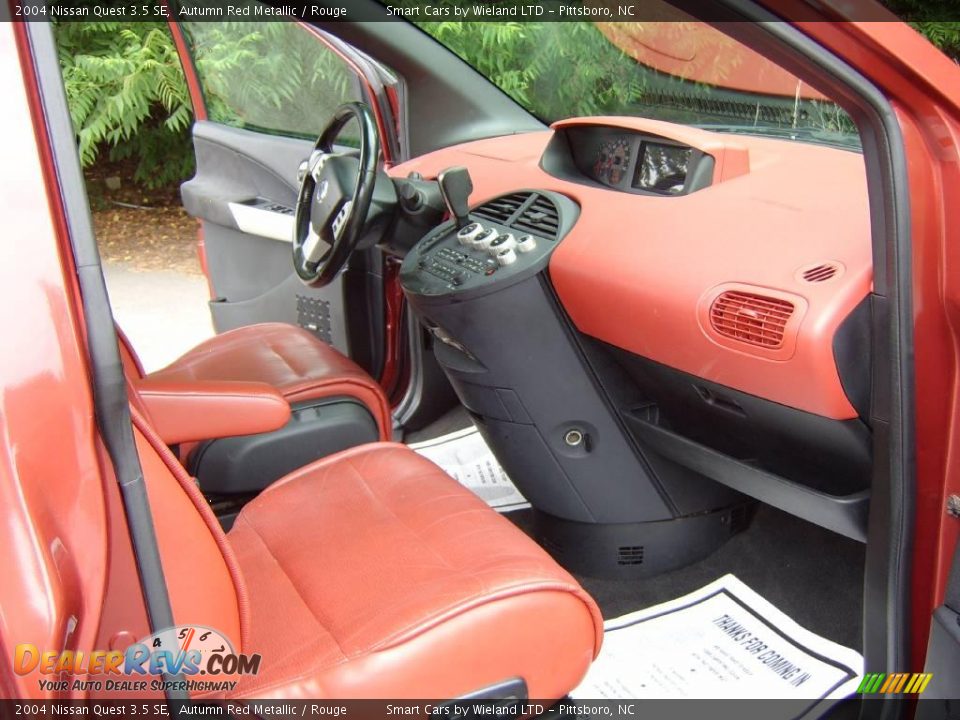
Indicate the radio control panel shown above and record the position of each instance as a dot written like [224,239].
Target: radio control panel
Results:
[505,238]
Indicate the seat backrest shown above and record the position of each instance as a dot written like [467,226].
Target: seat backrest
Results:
[202,576]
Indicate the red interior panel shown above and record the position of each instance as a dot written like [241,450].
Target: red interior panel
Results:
[636,270]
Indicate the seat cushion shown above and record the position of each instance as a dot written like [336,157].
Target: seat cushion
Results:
[286,357]
[372,573]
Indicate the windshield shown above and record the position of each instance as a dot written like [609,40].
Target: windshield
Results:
[678,71]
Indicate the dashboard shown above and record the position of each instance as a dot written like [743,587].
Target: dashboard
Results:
[732,258]
[648,322]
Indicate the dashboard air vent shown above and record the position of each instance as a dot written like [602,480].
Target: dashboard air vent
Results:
[501,209]
[540,217]
[820,273]
[525,212]
[754,319]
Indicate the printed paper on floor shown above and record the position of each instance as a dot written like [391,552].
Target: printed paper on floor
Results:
[722,641]
[465,456]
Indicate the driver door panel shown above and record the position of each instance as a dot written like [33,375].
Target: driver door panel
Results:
[262,93]
[243,194]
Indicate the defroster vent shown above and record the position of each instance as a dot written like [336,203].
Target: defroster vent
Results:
[750,318]
[501,209]
[539,217]
[525,212]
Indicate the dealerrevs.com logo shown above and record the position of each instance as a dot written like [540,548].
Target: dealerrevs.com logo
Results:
[202,655]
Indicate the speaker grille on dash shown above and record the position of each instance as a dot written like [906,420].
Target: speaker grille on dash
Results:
[820,273]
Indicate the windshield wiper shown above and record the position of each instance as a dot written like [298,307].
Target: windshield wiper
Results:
[849,141]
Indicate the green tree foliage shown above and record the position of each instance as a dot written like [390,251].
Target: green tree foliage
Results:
[273,76]
[927,17]
[126,92]
[128,96]
[522,58]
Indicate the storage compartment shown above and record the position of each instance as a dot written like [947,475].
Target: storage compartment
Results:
[825,455]
[844,514]
[249,463]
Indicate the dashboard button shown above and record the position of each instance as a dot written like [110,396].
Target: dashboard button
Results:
[526,243]
[467,234]
[484,239]
[507,256]
[504,242]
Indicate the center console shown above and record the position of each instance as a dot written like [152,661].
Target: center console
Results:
[602,505]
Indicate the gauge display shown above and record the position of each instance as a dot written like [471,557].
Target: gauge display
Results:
[613,161]
[662,168]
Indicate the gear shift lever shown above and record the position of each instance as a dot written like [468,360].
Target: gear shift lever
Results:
[455,187]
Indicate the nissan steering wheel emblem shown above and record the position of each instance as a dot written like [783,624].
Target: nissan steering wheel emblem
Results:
[322,189]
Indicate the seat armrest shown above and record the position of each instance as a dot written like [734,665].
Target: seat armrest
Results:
[189,411]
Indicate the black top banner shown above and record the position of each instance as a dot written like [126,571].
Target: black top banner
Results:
[440,10]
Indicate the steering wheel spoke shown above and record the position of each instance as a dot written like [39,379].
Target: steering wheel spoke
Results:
[336,190]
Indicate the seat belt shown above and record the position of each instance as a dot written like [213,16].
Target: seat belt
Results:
[109,383]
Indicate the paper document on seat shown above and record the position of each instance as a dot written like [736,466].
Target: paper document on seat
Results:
[722,641]
[465,456]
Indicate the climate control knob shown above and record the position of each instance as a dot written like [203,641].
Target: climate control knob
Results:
[484,239]
[467,234]
[526,243]
[503,242]
[507,256]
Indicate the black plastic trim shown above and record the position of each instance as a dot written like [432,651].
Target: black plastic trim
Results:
[846,514]
[852,354]
[246,464]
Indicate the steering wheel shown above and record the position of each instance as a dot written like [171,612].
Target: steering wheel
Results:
[335,194]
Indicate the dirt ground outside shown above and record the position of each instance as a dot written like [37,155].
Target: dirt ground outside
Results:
[148,245]
[145,229]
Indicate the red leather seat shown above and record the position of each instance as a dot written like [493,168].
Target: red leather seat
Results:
[285,357]
[370,573]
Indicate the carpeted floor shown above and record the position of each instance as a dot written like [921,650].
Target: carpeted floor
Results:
[812,574]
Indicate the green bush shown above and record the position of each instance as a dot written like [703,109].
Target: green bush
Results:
[521,59]
[127,92]
[128,96]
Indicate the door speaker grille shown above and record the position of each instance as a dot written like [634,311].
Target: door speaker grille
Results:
[313,314]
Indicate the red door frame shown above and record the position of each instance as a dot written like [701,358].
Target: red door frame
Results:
[923,87]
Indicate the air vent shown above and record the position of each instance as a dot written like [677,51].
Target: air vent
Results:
[630,555]
[524,212]
[820,273]
[754,319]
[540,218]
[503,208]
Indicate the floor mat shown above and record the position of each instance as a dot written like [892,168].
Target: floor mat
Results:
[812,574]
[465,456]
[721,641]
